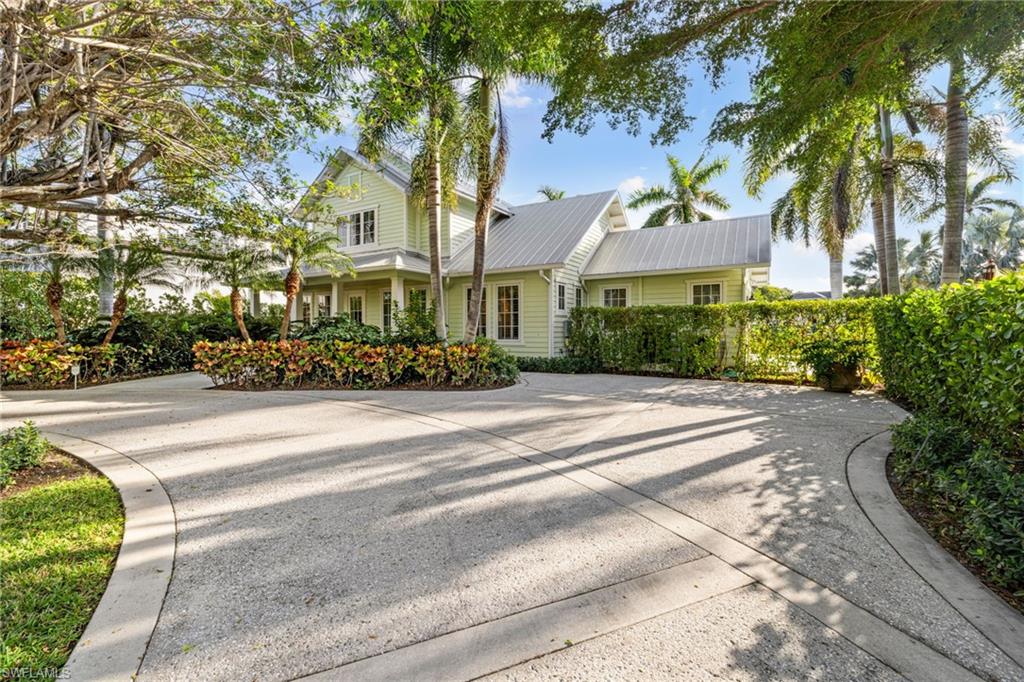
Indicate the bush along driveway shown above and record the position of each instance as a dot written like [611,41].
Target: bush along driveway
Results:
[597,526]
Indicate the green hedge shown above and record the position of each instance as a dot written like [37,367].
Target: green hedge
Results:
[342,364]
[959,353]
[756,340]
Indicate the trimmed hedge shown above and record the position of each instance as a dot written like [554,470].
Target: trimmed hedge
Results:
[756,340]
[341,364]
[959,353]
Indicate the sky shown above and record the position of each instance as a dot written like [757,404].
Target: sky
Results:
[605,159]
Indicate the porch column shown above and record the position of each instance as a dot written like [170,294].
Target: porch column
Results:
[398,291]
[335,298]
[254,302]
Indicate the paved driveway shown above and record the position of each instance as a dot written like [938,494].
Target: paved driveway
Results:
[571,527]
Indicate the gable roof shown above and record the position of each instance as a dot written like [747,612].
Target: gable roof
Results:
[537,235]
[694,246]
[395,170]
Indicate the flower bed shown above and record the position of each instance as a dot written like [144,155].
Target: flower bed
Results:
[340,364]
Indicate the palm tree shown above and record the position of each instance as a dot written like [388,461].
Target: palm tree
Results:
[59,261]
[923,261]
[138,264]
[238,268]
[683,200]
[978,199]
[997,237]
[551,193]
[301,247]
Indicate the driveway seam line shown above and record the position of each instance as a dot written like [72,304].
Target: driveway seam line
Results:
[138,561]
[878,502]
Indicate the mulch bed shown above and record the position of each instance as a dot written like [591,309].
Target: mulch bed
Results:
[56,466]
[934,521]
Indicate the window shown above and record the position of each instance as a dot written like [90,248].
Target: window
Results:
[386,310]
[355,307]
[358,229]
[481,327]
[706,293]
[351,185]
[615,297]
[323,305]
[579,296]
[418,299]
[508,312]
[306,308]
[561,297]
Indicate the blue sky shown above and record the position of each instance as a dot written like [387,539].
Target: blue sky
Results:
[606,159]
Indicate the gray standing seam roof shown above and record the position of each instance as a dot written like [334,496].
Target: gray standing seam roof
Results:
[536,235]
[714,243]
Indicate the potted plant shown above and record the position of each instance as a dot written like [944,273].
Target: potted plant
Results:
[837,361]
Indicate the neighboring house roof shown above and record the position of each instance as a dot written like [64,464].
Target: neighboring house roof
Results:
[725,243]
[395,170]
[539,235]
[811,295]
[383,260]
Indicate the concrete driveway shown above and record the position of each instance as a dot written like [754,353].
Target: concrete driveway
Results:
[570,527]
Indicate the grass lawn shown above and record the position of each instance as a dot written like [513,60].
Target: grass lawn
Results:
[58,542]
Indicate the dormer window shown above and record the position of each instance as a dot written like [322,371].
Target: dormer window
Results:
[358,229]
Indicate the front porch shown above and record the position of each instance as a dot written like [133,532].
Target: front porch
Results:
[369,298]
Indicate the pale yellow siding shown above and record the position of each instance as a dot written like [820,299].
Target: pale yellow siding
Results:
[668,289]
[375,193]
[533,311]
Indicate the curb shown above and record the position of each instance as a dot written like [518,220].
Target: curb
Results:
[115,640]
[994,618]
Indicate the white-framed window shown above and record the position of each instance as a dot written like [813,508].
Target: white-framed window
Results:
[615,297]
[579,296]
[358,229]
[323,305]
[706,293]
[307,307]
[508,310]
[386,309]
[481,327]
[561,297]
[352,184]
[356,306]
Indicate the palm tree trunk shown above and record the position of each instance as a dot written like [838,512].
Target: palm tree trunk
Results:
[892,273]
[291,290]
[54,296]
[835,276]
[484,202]
[116,315]
[878,223]
[434,227]
[238,311]
[956,173]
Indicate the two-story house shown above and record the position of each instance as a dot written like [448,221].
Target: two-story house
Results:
[543,259]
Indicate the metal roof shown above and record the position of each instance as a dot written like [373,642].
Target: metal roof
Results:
[381,260]
[693,246]
[537,235]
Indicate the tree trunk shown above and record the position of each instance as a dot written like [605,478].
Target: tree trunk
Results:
[835,276]
[238,311]
[105,255]
[485,190]
[54,296]
[117,314]
[291,290]
[878,222]
[434,231]
[892,270]
[956,173]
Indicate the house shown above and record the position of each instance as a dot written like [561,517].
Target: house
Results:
[543,259]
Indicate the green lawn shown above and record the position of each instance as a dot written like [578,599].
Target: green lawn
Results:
[58,543]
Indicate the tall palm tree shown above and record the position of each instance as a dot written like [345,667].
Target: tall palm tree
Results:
[687,194]
[134,265]
[299,247]
[923,261]
[551,193]
[238,268]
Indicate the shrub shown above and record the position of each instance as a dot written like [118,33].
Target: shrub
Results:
[564,364]
[959,352]
[975,493]
[47,363]
[340,328]
[20,447]
[837,359]
[757,340]
[341,364]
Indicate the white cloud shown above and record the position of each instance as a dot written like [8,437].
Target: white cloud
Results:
[717,215]
[512,95]
[630,185]
[859,241]
[1014,147]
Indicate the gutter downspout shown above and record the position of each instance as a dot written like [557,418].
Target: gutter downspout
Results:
[551,321]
